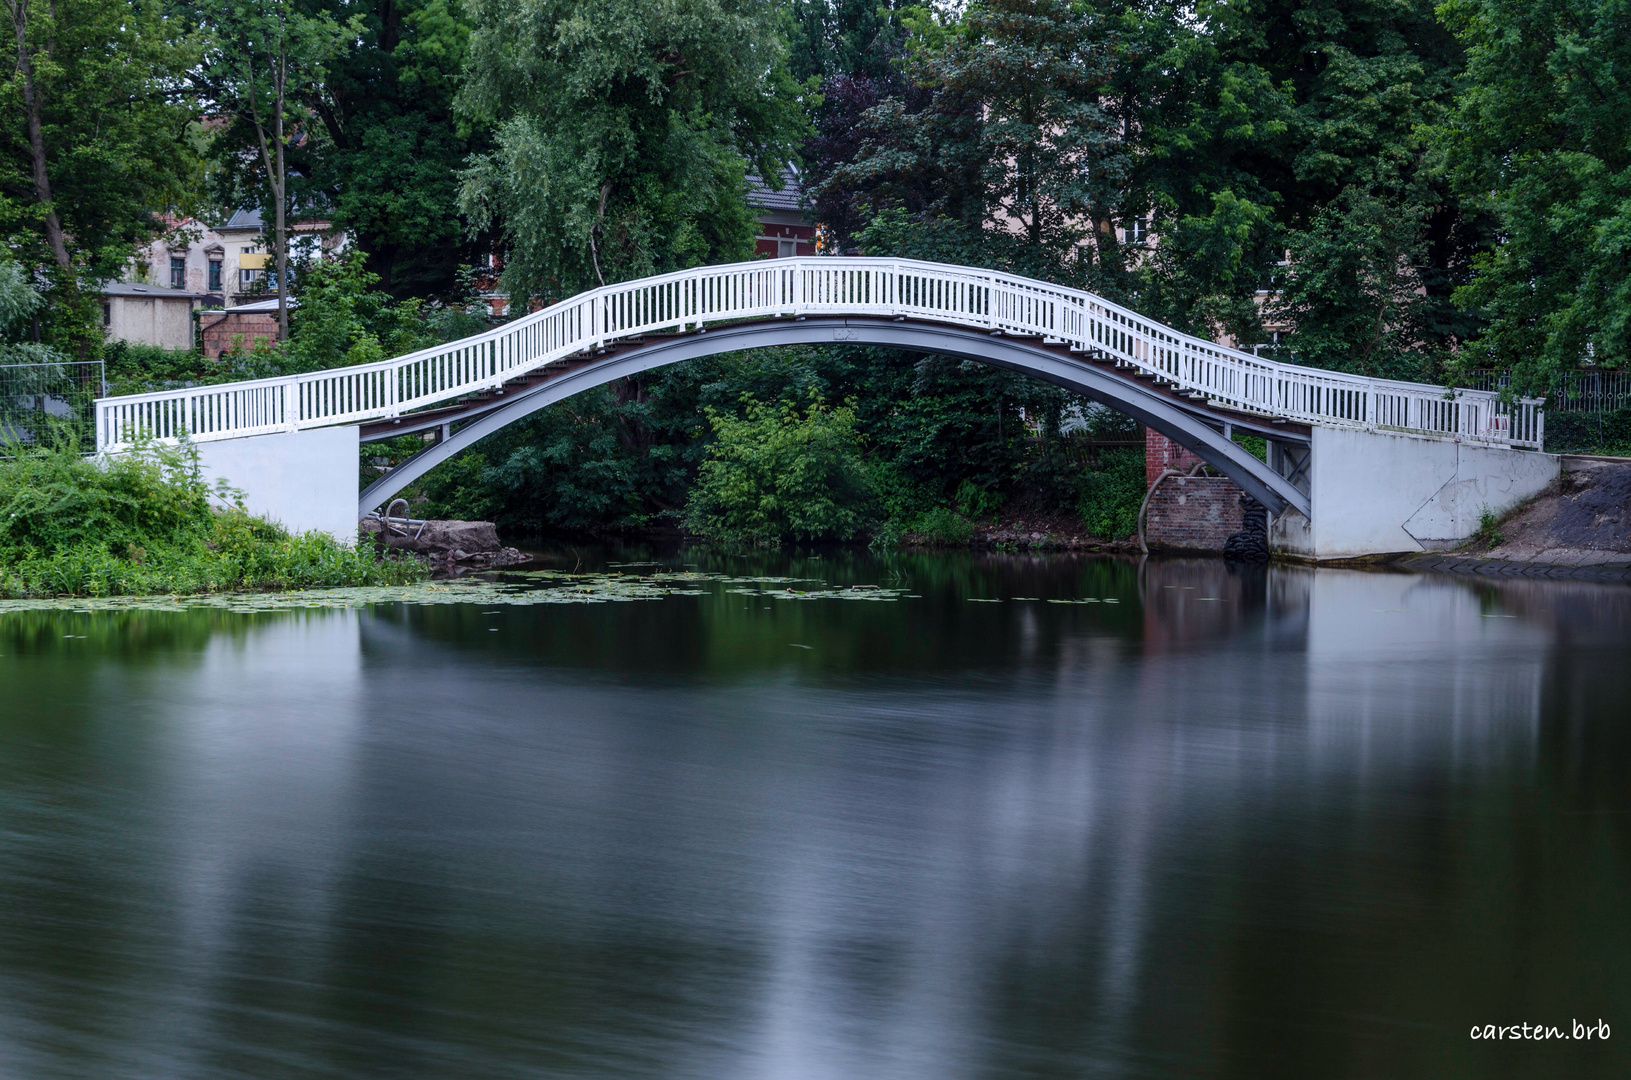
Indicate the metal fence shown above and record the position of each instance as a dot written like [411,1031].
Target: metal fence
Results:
[690,300]
[1576,391]
[51,400]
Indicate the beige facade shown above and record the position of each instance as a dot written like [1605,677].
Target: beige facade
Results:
[150,314]
[195,266]
[230,262]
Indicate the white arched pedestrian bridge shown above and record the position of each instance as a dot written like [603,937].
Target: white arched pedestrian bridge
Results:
[1196,392]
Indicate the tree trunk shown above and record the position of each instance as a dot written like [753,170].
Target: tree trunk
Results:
[36,135]
[281,190]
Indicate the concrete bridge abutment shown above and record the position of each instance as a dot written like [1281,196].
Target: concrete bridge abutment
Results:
[303,480]
[1380,493]
[1371,493]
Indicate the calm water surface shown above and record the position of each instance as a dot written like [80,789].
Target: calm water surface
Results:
[1239,824]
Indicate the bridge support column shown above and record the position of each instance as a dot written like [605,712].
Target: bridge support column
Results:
[302,480]
[1375,493]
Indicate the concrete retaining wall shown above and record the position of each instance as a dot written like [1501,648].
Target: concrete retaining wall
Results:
[1376,493]
[305,480]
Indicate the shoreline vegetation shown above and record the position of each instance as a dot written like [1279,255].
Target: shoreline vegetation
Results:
[146,524]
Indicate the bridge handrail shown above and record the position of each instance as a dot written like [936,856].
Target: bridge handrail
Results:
[825,285]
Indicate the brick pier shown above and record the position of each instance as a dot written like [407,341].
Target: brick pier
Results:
[1187,513]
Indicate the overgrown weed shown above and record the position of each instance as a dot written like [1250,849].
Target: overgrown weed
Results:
[146,523]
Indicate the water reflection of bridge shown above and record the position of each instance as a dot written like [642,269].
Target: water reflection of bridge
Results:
[1275,808]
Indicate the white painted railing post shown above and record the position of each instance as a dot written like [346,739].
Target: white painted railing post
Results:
[840,286]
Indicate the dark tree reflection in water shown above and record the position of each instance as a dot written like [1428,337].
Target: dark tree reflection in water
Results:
[1196,821]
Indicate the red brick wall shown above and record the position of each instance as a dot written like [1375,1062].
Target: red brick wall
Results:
[1160,453]
[1193,513]
[222,329]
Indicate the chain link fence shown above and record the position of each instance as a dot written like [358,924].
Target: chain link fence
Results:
[51,400]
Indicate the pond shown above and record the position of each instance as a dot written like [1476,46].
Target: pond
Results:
[704,815]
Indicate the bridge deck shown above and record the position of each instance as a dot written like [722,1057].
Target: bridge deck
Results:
[1239,387]
[484,401]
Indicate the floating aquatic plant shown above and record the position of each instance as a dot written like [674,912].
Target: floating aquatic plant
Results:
[512,589]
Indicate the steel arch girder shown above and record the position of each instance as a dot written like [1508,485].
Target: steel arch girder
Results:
[1122,393]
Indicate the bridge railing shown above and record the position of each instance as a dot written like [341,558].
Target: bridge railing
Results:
[691,299]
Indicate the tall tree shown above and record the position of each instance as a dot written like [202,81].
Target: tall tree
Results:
[392,148]
[263,60]
[1540,140]
[1276,128]
[623,130]
[94,139]
[1010,137]
[846,38]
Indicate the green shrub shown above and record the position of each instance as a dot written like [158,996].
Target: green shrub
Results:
[978,502]
[1112,493]
[142,523]
[53,499]
[1607,432]
[780,474]
[1255,445]
[943,526]
[132,367]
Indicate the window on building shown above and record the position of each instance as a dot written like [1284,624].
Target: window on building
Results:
[107,314]
[786,249]
[1137,231]
[178,272]
[215,275]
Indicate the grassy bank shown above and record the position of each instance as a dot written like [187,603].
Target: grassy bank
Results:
[143,524]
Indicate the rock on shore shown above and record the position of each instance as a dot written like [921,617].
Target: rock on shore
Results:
[464,543]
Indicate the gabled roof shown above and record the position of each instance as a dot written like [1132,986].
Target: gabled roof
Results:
[760,197]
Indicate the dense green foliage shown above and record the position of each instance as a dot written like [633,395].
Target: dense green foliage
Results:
[1374,186]
[142,522]
[777,472]
[387,165]
[18,303]
[1058,139]
[1112,493]
[343,319]
[934,434]
[94,139]
[1539,137]
[1607,432]
[1011,143]
[623,130]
